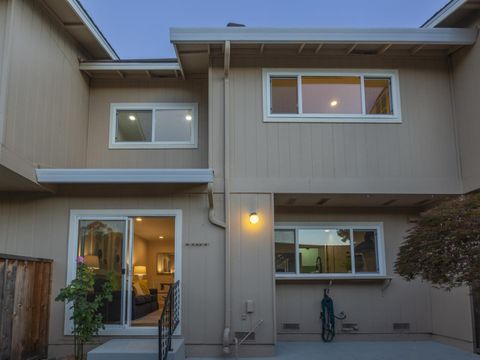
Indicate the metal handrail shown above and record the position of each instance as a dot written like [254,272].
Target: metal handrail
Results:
[169,320]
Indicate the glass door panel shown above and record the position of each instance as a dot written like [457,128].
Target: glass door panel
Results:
[103,244]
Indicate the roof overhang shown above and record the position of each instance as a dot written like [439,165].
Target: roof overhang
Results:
[195,46]
[124,176]
[76,21]
[452,13]
[159,68]
[326,36]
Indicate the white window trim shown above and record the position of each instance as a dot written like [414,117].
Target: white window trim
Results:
[192,144]
[75,217]
[395,118]
[378,226]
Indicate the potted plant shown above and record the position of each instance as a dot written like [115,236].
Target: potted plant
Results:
[85,305]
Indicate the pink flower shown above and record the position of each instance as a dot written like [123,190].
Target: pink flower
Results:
[80,260]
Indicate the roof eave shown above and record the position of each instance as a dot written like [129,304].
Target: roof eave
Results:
[445,12]
[129,65]
[422,36]
[92,27]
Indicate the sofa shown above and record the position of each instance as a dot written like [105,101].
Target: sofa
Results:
[144,304]
[141,304]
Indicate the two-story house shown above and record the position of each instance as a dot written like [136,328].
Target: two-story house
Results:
[258,167]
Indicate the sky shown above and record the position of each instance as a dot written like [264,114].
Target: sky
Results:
[139,29]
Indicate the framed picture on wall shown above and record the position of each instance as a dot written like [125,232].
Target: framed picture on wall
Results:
[165,263]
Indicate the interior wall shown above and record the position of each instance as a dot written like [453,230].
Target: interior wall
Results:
[139,251]
[153,248]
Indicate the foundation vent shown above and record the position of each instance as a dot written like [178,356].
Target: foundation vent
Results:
[349,327]
[401,326]
[241,334]
[291,326]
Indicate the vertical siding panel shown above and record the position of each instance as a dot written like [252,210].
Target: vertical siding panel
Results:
[42,91]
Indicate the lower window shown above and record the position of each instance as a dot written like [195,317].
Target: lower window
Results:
[326,250]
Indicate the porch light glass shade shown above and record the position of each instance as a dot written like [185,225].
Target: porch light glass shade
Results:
[140,270]
[254,219]
[92,261]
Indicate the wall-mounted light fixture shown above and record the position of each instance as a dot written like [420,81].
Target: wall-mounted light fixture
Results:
[254,219]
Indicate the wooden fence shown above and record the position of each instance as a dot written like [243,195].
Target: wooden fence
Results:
[25,285]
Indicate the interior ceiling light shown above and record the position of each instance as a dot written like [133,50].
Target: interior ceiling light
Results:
[132,117]
[160,237]
[333,103]
[188,117]
[139,219]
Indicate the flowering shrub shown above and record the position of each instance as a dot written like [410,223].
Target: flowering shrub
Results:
[85,305]
[444,245]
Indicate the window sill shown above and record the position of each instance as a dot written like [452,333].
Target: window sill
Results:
[330,120]
[334,278]
[149,146]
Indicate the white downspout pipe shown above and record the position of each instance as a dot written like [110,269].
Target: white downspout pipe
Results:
[228,293]
[211,209]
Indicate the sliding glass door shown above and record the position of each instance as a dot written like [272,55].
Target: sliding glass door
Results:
[104,243]
[140,249]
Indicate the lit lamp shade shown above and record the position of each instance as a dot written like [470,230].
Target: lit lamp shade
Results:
[139,270]
[91,261]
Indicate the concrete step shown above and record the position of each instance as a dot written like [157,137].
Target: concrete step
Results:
[135,349]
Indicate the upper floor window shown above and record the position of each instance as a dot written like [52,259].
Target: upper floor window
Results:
[329,250]
[153,125]
[331,96]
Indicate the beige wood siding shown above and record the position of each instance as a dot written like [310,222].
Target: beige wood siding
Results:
[372,305]
[252,264]
[39,227]
[452,315]
[416,156]
[47,98]
[3,20]
[466,79]
[102,94]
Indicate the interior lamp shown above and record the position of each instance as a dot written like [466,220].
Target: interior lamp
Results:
[254,219]
[140,271]
[92,261]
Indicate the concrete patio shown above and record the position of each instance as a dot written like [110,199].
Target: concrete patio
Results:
[367,350]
